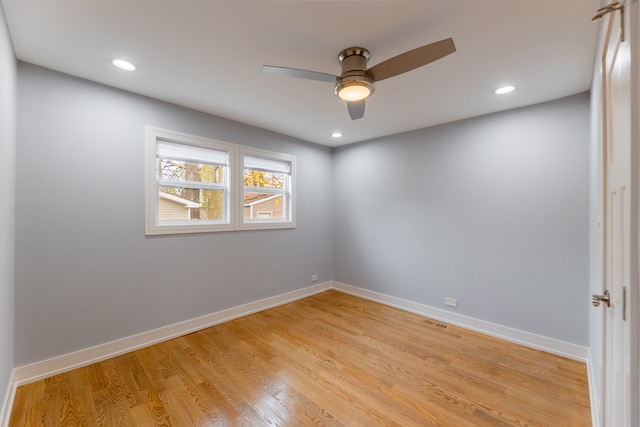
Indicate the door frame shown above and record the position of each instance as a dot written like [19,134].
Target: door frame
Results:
[596,316]
[634,291]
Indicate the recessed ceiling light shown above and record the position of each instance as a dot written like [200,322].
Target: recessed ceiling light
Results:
[504,90]
[123,64]
[336,135]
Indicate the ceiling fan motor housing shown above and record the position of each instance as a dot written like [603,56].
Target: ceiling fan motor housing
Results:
[354,70]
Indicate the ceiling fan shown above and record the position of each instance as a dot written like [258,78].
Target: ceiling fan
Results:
[356,82]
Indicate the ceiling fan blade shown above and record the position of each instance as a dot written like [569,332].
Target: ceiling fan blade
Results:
[302,74]
[412,59]
[356,109]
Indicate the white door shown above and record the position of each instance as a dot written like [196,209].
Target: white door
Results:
[616,98]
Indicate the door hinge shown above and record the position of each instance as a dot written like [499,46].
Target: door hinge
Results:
[624,303]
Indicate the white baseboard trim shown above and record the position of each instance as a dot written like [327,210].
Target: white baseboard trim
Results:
[67,362]
[7,404]
[594,398]
[550,345]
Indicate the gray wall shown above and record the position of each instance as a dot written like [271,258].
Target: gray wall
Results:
[7,206]
[492,211]
[85,272]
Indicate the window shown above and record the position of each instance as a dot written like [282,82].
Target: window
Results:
[188,187]
[196,185]
[268,189]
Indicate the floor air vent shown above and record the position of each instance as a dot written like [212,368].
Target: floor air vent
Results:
[437,324]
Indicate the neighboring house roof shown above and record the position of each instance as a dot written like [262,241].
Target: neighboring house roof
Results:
[187,203]
[252,199]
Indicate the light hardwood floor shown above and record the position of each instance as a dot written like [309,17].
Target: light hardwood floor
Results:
[328,360]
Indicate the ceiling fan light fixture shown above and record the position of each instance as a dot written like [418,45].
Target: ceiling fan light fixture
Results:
[354,88]
[354,92]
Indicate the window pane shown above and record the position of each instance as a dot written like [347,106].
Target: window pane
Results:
[265,206]
[261,179]
[269,187]
[177,170]
[176,203]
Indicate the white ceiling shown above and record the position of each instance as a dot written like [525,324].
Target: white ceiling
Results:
[208,55]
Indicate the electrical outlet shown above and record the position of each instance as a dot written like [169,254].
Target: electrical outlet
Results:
[451,302]
[314,277]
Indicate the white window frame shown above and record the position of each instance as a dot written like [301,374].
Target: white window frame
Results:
[289,192]
[233,187]
[153,225]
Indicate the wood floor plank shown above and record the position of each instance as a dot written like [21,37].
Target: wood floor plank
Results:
[328,360]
